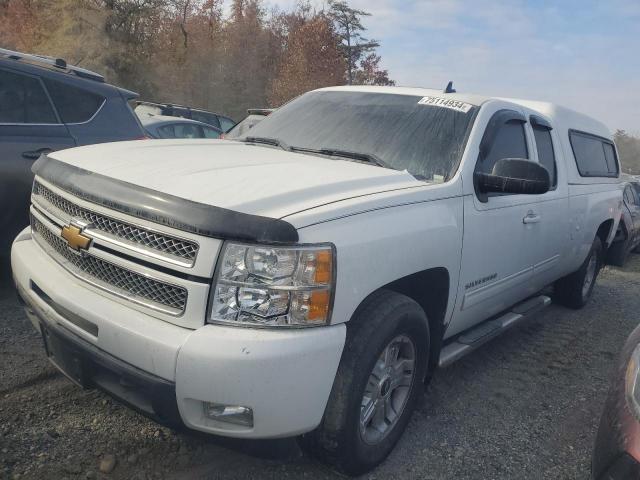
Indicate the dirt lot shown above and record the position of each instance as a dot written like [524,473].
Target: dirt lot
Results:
[524,406]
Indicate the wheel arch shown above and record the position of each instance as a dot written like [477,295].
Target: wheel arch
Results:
[604,232]
[430,289]
[622,227]
[618,249]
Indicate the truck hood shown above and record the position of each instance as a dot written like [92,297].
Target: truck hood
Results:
[253,179]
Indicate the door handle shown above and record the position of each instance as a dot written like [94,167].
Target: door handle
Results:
[35,154]
[531,218]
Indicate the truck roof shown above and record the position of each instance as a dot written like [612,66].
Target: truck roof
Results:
[561,117]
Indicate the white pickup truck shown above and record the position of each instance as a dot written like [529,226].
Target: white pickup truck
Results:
[307,279]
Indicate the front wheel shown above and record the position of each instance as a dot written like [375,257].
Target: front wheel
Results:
[378,383]
[574,290]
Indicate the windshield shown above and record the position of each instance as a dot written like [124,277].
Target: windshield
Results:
[425,140]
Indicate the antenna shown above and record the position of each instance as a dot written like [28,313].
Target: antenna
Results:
[449,88]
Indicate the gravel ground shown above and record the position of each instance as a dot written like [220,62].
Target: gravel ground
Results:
[526,405]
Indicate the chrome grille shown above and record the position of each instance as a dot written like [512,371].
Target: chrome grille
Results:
[114,278]
[160,242]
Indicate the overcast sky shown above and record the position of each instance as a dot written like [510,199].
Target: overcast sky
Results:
[584,54]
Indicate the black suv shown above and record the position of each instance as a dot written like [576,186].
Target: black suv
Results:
[215,119]
[47,105]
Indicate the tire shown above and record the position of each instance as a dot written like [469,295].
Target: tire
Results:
[573,291]
[387,322]
[618,253]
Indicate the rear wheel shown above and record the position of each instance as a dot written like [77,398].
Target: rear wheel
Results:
[379,380]
[575,289]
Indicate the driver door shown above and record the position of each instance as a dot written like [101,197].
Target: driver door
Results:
[497,259]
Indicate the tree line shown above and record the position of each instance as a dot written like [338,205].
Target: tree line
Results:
[629,150]
[199,53]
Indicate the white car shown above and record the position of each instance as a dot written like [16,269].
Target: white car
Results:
[307,279]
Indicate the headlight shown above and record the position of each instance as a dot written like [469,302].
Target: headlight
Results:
[632,382]
[260,285]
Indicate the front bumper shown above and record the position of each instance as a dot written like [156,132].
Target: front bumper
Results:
[88,366]
[285,377]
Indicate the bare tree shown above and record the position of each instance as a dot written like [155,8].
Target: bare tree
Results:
[184,10]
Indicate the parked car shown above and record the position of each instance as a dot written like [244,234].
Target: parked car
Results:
[617,449]
[306,279]
[160,126]
[628,234]
[216,120]
[254,116]
[47,105]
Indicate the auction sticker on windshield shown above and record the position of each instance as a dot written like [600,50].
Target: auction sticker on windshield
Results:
[446,103]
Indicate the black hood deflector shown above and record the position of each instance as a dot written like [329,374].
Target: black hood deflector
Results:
[162,208]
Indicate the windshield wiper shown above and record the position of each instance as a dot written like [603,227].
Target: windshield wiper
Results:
[336,152]
[267,141]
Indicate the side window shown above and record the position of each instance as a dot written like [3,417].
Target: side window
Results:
[180,112]
[167,132]
[211,132]
[73,104]
[546,155]
[208,118]
[226,124]
[610,157]
[23,100]
[509,142]
[595,157]
[187,130]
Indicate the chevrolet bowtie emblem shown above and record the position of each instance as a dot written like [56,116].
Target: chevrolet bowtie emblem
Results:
[74,237]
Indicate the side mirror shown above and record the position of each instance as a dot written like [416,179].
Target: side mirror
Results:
[514,175]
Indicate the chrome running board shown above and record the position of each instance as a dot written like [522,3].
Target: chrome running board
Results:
[469,340]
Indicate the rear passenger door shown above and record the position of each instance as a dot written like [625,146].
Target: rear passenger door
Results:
[549,228]
[29,126]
